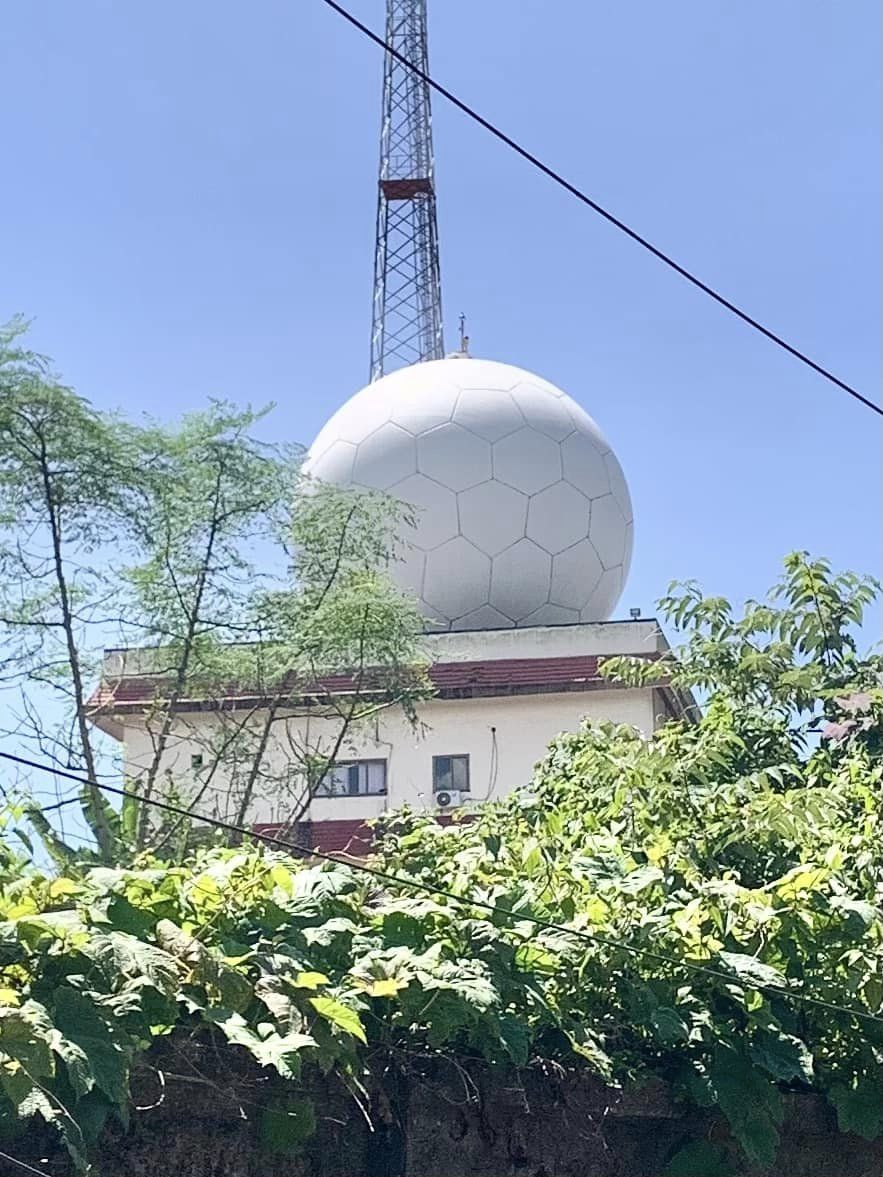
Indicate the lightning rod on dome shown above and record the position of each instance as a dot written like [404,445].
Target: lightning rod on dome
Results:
[463,352]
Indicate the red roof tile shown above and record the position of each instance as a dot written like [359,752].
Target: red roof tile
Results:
[513,672]
[331,837]
[451,680]
[354,838]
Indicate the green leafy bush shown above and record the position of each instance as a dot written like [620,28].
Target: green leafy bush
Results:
[744,841]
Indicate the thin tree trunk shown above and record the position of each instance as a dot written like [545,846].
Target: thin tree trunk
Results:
[96,812]
[180,675]
[254,771]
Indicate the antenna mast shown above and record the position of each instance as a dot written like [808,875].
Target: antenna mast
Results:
[407,324]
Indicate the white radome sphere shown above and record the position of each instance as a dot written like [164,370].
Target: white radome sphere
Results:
[524,516]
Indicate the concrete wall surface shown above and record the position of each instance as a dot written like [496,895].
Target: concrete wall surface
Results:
[504,738]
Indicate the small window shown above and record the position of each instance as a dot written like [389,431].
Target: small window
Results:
[196,762]
[450,772]
[354,778]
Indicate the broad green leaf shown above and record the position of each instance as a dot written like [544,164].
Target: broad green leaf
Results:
[282,877]
[25,1048]
[338,927]
[205,892]
[286,1124]
[470,982]
[25,1039]
[101,1038]
[282,1051]
[515,1036]
[91,1114]
[271,991]
[751,1102]
[339,1015]
[310,980]
[700,1158]
[234,1027]
[801,879]
[76,1062]
[858,1107]
[386,987]
[125,916]
[782,1056]
[669,1025]
[866,914]
[38,1103]
[639,880]
[587,1045]
[752,970]
[532,958]
[119,953]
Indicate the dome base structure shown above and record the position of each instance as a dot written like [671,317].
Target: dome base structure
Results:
[523,512]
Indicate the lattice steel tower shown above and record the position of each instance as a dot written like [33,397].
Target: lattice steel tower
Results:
[407,324]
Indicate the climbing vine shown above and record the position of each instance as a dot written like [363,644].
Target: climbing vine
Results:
[703,880]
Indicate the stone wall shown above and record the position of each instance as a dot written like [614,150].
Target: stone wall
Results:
[201,1117]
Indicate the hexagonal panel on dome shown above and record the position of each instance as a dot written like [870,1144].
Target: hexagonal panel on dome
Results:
[553,615]
[527,461]
[584,465]
[606,593]
[457,579]
[541,382]
[426,407]
[629,549]
[435,508]
[385,457]
[334,465]
[608,531]
[544,410]
[587,425]
[453,456]
[474,372]
[492,515]
[520,579]
[484,618]
[618,485]
[575,573]
[360,416]
[557,517]
[489,412]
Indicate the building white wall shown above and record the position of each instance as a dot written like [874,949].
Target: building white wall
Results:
[503,736]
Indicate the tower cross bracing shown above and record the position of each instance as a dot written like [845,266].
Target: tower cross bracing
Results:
[407,317]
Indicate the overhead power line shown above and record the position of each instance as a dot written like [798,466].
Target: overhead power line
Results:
[23,1165]
[435,891]
[662,256]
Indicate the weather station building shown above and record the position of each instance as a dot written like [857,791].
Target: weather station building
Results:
[522,543]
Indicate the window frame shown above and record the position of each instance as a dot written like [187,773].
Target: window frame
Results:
[321,795]
[452,756]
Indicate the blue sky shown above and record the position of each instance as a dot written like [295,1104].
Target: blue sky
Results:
[188,211]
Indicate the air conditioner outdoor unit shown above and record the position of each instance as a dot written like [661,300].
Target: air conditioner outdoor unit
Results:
[449,798]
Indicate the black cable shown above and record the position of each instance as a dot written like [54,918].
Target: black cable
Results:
[429,889]
[23,1165]
[596,207]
